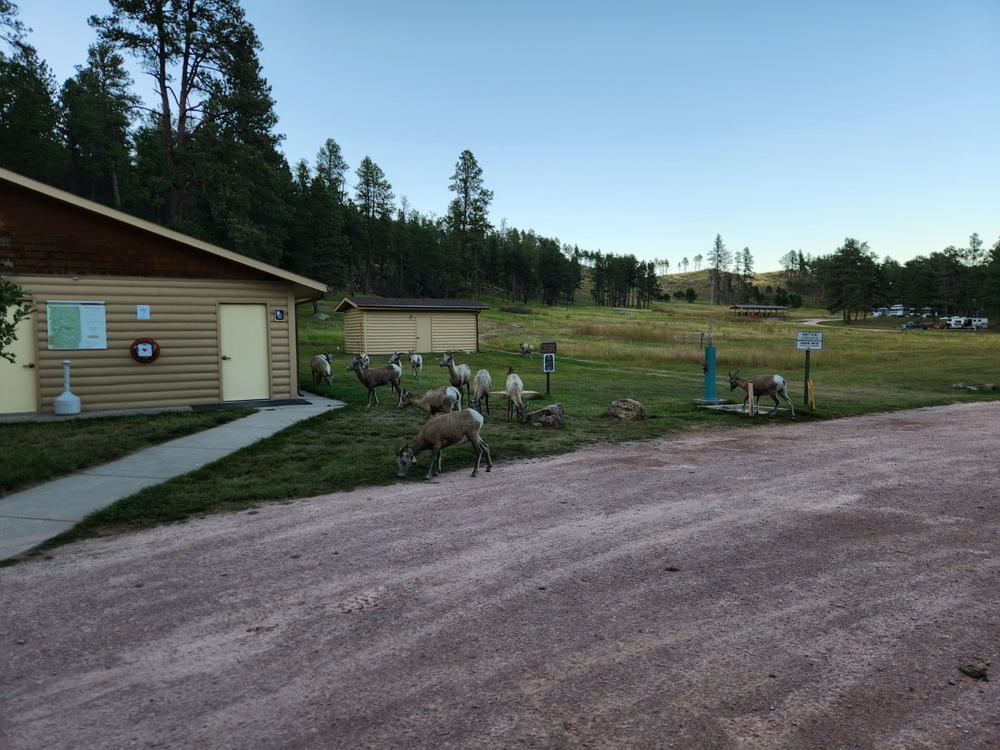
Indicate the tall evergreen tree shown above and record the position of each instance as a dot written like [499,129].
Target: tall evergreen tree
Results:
[29,111]
[467,213]
[332,168]
[373,195]
[850,279]
[188,47]
[243,183]
[97,111]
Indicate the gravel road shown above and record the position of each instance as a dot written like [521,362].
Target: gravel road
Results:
[794,585]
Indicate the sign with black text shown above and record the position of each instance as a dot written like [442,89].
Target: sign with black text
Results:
[808,340]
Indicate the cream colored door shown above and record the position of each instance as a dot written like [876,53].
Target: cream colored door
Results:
[243,352]
[18,384]
[424,343]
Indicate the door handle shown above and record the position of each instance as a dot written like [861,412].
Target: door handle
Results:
[226,357]
[31,366]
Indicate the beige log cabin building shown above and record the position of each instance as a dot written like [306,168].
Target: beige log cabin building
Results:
[148,317]
[383,325]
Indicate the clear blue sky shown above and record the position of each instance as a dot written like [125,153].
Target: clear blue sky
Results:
[646,127]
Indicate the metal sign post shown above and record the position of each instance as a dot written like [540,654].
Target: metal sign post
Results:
[709,364]
[808,341]
[548,349]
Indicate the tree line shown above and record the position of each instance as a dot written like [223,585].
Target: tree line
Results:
[954,281]
[204,159]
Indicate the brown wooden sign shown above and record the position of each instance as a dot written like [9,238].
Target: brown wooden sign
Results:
[547,347]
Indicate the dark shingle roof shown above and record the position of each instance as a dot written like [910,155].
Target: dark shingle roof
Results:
[401,303]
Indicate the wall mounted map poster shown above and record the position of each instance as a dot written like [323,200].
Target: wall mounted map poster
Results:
[77,325]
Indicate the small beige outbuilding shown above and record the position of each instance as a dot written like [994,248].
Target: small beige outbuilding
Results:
[148,317]
[383,325]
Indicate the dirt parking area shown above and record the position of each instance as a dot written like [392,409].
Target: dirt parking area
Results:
[792,585]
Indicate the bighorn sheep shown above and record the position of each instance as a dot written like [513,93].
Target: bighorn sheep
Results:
[514,388]
[459,375]
[372,379]
[763,385]
[416,364]
[527,350]
[394,360]
[321,369]
[446,398]
[481,386]
[365,359]
[438,433]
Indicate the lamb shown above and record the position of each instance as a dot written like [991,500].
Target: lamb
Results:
[453,428]
[372,379]
[527,350]
[459,375]
[444,399]
[514,388]
[321,369]
[481,385]
[416,364]
[763,385]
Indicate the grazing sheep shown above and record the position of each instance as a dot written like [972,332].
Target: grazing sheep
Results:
[481,386]
[514,388]
[416,364]
[527,350]
[763,385]
[459,375]
[321,369]
[446,398]
[453,428]
[372,379]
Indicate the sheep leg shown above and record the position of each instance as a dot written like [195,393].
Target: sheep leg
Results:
[435,453]
[486,450]
[784,395]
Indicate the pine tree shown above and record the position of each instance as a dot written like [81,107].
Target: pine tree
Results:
[97,114]
[467,214]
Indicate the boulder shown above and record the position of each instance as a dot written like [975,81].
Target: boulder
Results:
[549,416]
[626,408]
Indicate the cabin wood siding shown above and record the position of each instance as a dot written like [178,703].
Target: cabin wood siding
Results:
[183,321]
[388,332]
[354,331]
[454,331]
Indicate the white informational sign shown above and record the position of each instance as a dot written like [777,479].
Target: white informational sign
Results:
[809,340]
[76,325]
[142,312]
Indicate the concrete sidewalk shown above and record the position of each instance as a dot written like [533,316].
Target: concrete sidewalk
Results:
[30,517]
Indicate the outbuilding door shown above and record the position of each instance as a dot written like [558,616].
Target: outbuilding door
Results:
[424,343]
[243,352]
[18,384]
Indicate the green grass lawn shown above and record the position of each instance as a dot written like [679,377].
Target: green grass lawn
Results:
[654,356]
[34,452]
